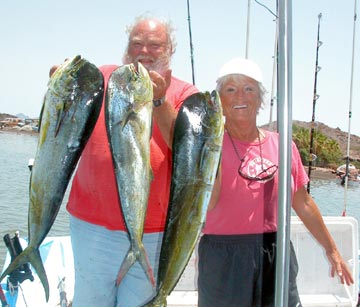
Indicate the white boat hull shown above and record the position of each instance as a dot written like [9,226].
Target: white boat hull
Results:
[315,285]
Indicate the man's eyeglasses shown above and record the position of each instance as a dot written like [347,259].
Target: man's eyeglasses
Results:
[266,174]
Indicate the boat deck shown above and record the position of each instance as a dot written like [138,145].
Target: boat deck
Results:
[315,285]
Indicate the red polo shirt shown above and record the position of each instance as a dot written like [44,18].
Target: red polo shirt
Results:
[94,197]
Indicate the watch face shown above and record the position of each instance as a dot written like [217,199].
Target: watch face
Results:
[158,102]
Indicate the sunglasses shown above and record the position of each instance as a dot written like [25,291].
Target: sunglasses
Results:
[266,174]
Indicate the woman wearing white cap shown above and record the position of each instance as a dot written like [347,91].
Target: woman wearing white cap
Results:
[237,250]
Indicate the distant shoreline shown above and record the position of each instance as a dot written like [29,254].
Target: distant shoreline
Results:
[321,173]
[18,130]
[316,172]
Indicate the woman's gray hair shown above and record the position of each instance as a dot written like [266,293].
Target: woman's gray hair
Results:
[262,90]
[169,28]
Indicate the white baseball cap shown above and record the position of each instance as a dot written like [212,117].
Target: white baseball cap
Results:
[241,66]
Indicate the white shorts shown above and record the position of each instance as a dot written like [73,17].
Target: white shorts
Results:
[98,254]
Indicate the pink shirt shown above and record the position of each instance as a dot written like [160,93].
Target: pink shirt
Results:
[250,207]
[93,196]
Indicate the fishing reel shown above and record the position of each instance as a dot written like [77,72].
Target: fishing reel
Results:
[23,272]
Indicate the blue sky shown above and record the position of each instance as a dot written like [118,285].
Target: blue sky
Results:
[37,34]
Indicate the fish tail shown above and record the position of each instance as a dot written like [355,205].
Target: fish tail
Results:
[33,256]
[125,266]
[136,252]
[145,263]
[36,262]
[158,301]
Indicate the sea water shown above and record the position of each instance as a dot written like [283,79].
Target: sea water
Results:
[17,148]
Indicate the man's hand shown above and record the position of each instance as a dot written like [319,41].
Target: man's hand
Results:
[160,83]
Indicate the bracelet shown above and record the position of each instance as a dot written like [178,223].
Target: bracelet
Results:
[158,102]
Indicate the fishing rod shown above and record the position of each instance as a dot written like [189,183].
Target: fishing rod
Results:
[248,24]
[247,31]
[350,111]
[191,44]
[312,156]
[274,77]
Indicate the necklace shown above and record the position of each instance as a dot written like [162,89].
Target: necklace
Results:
[237,152]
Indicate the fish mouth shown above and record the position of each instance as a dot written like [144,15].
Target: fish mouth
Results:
[76,60]
[134,68]
[138,69]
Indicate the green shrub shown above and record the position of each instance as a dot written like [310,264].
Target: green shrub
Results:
[326,149]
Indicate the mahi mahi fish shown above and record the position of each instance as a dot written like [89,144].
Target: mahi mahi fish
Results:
[71,107]
[197,145]
[128,117]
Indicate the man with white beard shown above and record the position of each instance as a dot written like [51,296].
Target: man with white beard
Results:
[98,233]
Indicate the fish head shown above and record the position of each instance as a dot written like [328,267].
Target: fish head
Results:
[74,81]
[214,112]
[66,70]
[138,85]
[74,75]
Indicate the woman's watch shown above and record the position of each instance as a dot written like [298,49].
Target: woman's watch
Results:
[158,102]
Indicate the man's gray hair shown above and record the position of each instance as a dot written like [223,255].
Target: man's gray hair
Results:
[169,28]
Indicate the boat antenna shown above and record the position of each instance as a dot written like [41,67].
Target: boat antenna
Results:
[312,156]
[191,44]
[350,110]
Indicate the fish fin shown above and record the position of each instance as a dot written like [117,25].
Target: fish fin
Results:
[204,155]
[59,118]
[128,118]
[129,260]
[134,254]
[151,173]
[157,301]
[145,263]
[61,114]
[219,164]
[33,256]
[41,113]
[21,259]
[36,262]
[151,128]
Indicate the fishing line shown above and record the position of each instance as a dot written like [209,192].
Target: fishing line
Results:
[350,110]
[263,5]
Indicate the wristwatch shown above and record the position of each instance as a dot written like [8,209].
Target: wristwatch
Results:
[158,102]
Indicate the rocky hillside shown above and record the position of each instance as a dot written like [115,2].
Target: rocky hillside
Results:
[335,133]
